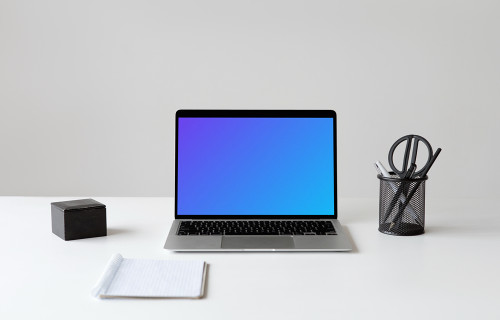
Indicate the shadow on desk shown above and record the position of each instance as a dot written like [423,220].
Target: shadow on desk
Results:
[115,231]
[462,230]
[348,234]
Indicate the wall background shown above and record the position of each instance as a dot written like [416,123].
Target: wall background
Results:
[88,89]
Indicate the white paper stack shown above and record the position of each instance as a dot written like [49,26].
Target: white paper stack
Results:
[138,278]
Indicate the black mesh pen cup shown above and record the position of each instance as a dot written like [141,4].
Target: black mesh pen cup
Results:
[401,205]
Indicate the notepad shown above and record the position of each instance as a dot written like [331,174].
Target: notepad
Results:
[140,278]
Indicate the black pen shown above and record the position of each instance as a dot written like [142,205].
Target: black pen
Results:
[404,185]
[395,199]
[424,173]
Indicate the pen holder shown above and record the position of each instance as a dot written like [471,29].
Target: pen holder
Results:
[402,205]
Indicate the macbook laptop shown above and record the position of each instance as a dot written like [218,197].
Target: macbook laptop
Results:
[256,180]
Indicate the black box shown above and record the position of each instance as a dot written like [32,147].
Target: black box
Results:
[78,219]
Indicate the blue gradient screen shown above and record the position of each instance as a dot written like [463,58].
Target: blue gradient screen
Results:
[255,166]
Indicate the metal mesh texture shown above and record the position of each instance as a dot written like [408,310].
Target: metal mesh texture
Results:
[396,216]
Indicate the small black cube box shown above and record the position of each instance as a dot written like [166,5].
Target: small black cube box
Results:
[78,219]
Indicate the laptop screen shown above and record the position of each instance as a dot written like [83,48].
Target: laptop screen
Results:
[255,166]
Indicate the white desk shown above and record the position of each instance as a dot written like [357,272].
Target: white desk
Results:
[451,272]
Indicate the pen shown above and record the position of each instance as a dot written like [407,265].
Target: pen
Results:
[400,190]
[384,173]
[424,173]
[403,188]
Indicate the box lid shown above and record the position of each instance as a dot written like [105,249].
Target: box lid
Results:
[78,204]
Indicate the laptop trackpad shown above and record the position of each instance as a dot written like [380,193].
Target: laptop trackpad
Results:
[256,242]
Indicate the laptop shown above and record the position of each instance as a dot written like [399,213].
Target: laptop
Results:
[256,180]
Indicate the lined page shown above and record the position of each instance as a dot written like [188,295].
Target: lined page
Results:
[108,275]
[157,278]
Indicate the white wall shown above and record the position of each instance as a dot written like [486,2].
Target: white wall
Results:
[88,89]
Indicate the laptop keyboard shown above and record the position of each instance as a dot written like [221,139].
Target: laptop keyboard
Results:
[255,227]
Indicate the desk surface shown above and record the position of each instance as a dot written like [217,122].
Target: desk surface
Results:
[451,272]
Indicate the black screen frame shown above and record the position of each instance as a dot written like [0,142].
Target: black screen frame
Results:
[198,113]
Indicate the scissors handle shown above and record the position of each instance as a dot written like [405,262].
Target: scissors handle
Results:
[409,139]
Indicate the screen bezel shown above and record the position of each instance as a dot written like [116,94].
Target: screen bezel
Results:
[190,113]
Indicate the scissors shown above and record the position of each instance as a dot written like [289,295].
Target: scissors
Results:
[408,172]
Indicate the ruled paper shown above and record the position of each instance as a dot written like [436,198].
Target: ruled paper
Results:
[154,279]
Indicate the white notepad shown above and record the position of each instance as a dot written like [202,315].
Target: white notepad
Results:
[139,278]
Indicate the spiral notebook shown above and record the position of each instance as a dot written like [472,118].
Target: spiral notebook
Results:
[140,278]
